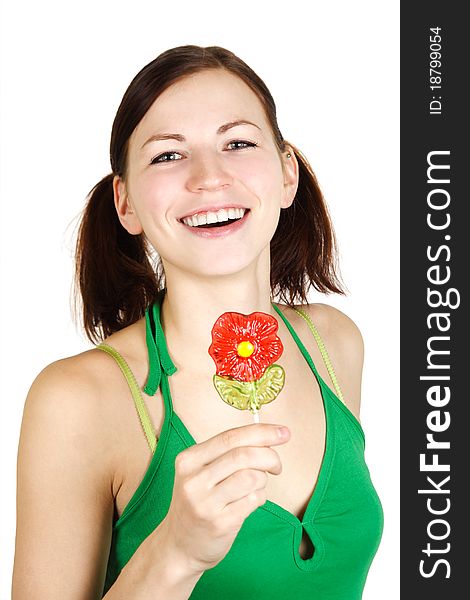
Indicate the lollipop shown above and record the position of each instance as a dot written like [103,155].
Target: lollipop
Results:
[244,348]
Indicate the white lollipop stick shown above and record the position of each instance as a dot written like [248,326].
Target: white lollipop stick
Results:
[253,397]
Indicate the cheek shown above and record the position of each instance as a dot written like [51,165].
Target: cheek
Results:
[263,177]
[153,196]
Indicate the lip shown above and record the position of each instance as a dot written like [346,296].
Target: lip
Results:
[210,208]
[215,232]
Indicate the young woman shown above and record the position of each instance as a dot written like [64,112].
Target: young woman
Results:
[134,479]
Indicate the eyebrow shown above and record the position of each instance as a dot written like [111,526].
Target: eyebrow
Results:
[181,138]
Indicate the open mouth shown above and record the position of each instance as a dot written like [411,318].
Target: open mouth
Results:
[211,220]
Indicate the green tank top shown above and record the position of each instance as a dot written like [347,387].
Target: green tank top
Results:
[343,519]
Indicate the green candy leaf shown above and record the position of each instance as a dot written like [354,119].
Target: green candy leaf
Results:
[250,395]
[270,384]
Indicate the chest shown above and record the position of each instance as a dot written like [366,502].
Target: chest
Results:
[299,406]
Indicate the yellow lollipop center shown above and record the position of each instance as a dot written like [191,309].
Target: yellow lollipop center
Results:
[245,349]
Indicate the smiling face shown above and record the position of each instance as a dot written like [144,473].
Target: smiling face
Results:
[204,153]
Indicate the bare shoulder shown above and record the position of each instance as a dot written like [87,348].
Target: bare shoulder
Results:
[81,396]
[65,415]
[70,391]
[83,380]
[341,330]
[345,346]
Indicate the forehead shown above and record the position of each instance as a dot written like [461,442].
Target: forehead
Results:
[205,99]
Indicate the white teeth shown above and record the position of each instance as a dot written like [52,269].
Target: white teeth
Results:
[224,214]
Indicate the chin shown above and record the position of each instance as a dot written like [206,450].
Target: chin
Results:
[223,268]
[216,265]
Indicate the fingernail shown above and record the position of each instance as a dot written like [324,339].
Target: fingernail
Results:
[282,432]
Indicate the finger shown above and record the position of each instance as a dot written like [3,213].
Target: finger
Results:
[238,485]
[242,458]
[238,511]
[254,434]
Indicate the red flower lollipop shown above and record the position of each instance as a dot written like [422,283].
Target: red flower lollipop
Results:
[244,348]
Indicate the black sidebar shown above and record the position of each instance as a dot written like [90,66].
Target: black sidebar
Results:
[435,317]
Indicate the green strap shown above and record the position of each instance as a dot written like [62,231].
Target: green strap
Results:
[137,396]
[159,357]
[324,353]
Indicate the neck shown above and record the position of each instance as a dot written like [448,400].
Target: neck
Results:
[193,303]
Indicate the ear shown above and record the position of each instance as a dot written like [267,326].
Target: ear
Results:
[126,213]
[290,168]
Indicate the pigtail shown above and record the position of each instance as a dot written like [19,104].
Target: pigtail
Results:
[304,248]
[113,273]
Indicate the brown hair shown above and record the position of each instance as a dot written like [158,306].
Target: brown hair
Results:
[115,273]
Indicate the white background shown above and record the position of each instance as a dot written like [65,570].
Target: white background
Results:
[333,70]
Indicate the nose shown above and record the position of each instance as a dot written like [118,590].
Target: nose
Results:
[208,173]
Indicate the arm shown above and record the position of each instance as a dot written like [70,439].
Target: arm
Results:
[345,346]
[65,500]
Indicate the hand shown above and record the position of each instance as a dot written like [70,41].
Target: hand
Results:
[218,483]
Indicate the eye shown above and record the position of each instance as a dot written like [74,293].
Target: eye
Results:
[161,158]
[244,144]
